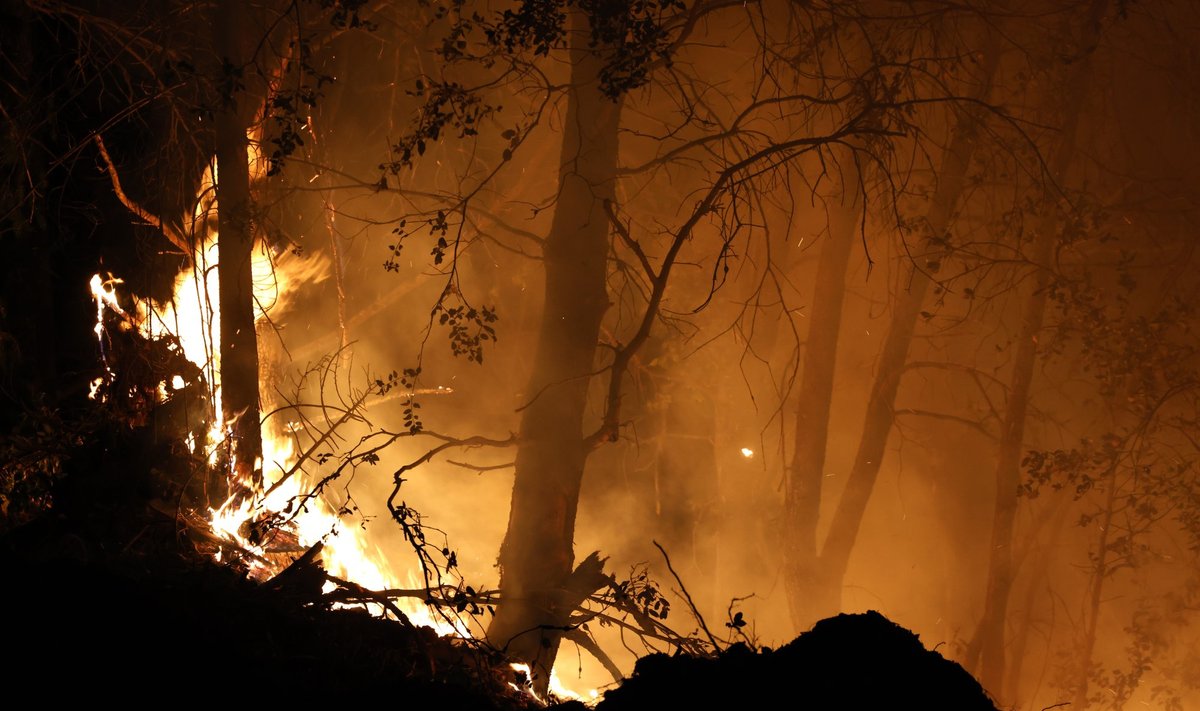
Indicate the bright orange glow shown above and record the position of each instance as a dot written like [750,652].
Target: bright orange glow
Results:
[192,317]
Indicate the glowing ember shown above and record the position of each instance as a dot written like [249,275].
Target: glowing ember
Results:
[558,692]
[104,293]
[526,674]
[747,453]
[562,693]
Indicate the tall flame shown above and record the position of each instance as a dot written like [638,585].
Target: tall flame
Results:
[192,317]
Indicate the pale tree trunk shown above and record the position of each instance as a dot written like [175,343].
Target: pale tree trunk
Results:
[821,591]
[1001,571]
[806,472]
[989,642]
[537,554]
[1087,645]
[238,344]
[1036,582]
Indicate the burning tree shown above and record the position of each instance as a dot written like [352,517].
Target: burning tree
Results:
[238,339]
[199,336]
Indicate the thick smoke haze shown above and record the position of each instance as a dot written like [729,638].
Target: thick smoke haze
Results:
[706,435]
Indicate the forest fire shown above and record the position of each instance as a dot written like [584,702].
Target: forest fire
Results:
[264,524]
[191,318]
[700,352]
[270,518]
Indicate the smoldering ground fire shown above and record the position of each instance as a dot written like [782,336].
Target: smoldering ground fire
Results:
[784,309]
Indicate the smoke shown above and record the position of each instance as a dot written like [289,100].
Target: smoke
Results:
[708,407]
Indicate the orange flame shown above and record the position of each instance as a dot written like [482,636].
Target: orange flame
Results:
[192,316]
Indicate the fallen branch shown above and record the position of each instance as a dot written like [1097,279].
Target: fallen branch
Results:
[484,597]
[586,643]
[178,239]
[687,596]
[372,596]
[481,467]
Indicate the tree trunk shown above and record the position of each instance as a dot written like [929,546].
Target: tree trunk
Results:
[806,472]
[238,344]
[1087,646]
[1001,571]
[1036,577]
[822,596]
[537,554]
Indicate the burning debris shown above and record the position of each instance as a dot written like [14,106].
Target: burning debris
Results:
[265,527]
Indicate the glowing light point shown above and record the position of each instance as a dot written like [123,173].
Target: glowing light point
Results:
[747,453]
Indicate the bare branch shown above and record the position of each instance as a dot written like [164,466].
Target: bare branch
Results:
[178,239]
